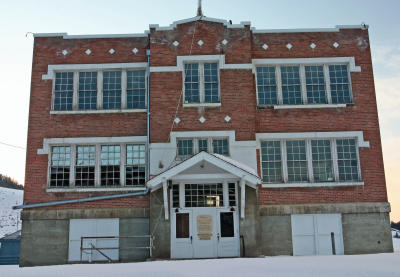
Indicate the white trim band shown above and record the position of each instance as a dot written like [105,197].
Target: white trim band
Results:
[99,111]
[306,185]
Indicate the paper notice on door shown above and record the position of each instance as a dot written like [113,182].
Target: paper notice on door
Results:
[204,226]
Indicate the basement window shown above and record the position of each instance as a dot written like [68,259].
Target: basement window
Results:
[201,83]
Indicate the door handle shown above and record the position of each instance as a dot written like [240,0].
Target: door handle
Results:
[191,239]
[218,236]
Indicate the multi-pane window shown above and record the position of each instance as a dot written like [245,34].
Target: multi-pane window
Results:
[322,160]
[310,160]
[112,90]
[347,160]
[204,195]
[185,147]
[340,84]
[201,83]
[135,165]
[203,145]
[220,146]
[291,87]
[175,196]
[87,94]
[110,165]
[232,194]
[85,166]
[303,84]
[63,91]
[266,85]
[296,161]
[192,83]
[136,89]
[315,84]
[60,166]
[211,90]
[271,161]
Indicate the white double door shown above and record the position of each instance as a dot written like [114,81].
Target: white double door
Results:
[204,232]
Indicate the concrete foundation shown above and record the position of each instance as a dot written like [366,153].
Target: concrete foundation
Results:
[160,228]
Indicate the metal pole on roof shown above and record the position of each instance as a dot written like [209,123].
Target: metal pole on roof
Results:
[199,9]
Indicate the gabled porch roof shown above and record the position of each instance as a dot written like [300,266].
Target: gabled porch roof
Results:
[241,171]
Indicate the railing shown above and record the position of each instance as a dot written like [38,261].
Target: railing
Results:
[101,250]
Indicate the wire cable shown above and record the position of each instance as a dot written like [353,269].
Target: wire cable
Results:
[11,145]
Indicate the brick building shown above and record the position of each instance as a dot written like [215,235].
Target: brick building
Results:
[214,139]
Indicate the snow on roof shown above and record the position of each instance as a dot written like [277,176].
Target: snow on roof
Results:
[237,164]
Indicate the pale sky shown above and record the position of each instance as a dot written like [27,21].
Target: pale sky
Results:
[117,16]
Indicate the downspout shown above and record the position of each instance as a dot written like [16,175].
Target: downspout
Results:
[148,117]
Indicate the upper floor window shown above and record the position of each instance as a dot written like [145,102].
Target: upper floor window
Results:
[310,160]
[97,90]
[187,147]
[63,91]
[303,84]
[98,165]
[201,83]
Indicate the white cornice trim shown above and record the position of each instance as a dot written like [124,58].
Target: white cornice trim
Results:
[47,142]
[180,60]
[309,30]
[313,135]
[328,60]
[51,68]
[66,36]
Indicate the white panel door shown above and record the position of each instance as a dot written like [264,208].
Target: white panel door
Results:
[92,228]
[228,233]
[204,241]
[181,234]
[317,234]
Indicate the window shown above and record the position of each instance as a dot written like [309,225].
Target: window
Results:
[347,160]
[271,161]
[110,165]
[232,194]
[291,87]
[112,90]
[266,84]
[220,146]
[135,165]
[182,225]
[85,166]
[87,98]
[322,160]
[310,160]
[296,161]
[175,196]
[136,89]
[63,91]
[226,224]
[188,147]
[60,166]
[201,83]
[303,84]
[340,85]
[315,83]
[203,195]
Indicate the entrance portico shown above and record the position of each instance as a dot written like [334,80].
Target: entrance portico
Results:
[203,204]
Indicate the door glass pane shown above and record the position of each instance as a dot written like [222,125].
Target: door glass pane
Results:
[226,220]
[182,225]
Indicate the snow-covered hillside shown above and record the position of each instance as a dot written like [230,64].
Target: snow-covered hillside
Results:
[9,218]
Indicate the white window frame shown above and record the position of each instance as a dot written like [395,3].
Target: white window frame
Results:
[201,82]
[195,141]
[310,182]
[325,62]
[76,69]
[97,186]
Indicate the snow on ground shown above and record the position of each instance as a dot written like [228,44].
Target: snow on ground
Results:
[8,216]
[318,266]
[396,244]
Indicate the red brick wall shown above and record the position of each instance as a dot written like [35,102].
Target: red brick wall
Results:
[238,98]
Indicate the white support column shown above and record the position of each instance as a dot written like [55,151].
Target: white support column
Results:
[165,193]
[225,193]
[242,197]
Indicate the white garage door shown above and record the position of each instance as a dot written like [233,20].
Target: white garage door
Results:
[317,234]
[93,228]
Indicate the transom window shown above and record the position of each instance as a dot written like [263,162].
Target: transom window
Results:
[303,84]
[63,91]
[60,166]
[111,90]
[310,160]
[187,147]
[201,83]
[98,165]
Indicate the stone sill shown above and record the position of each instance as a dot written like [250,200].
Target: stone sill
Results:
[310,185]
[186,105]
[95,189]
[99,111]
[309,106]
